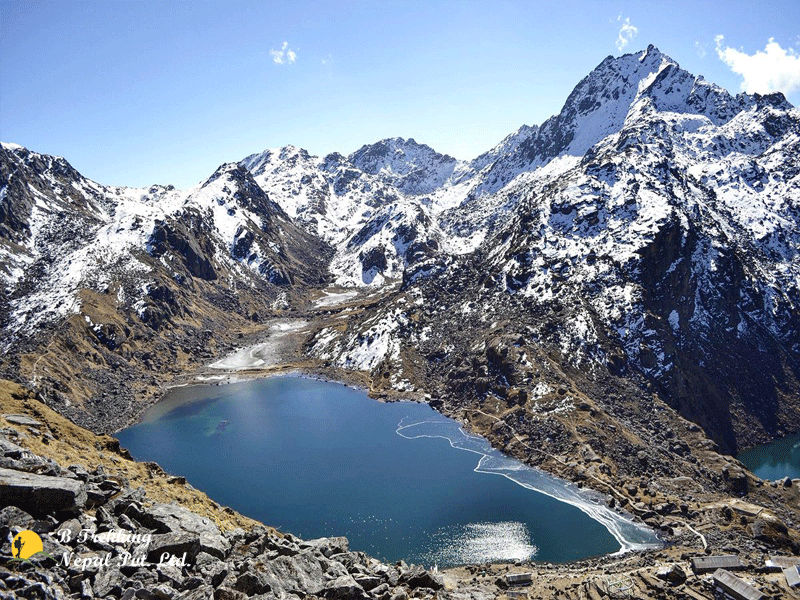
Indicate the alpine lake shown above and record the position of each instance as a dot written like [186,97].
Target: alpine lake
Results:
[399,480]
[774,460]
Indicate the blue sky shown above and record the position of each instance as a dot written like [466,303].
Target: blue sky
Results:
[135,93]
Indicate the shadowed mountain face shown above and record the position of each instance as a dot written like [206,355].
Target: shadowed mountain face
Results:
[647,234]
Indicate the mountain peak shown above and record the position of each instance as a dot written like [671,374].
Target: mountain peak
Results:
[398,155]
[11,146]
[412,167]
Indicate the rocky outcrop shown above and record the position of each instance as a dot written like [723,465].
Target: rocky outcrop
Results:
[40,494]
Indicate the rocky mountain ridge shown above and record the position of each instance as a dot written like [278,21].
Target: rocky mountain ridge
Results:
[597,295]
[656,240]
[651,224]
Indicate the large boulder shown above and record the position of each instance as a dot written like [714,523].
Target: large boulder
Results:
[175,544]
[170,518]
[327,545]
[343,587]
[416,577]
[40,494]
[302,574]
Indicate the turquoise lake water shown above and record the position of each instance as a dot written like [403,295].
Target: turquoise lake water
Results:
[399,480]
[775,460]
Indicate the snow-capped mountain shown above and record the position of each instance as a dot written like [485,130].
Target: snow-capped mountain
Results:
[98,278]
[648,231]
[651,227]
[63,233]
[371,206]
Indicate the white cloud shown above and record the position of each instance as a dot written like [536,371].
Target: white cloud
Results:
[626,33]
[771,70]
[284,55]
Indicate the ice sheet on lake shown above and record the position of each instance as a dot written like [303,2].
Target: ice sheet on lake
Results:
[628,534]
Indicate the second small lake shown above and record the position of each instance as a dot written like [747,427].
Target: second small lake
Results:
[775,460]
[399,480]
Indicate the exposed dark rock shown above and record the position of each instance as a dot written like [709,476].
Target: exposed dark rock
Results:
[175,519]
[41,494]
[343,587]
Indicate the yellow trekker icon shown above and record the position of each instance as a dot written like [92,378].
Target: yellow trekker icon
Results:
[26,544]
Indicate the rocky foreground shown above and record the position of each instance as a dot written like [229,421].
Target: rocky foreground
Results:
[105,537]
[115,528]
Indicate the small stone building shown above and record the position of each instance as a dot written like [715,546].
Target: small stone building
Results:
[709,564]
[729,587]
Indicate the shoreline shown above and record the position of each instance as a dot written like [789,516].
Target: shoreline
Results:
[591,505]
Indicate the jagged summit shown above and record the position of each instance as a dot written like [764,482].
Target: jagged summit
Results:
[396,154]
[412,168]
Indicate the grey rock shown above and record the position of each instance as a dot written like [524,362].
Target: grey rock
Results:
[204,592]
[131,593]
[94,495]
[736,479]
[169,574]
[22,420]
[170,518]
[40,494]
[388,573]
[125,522]
[79,471]
[223,593]
[303,574]
[416,577]
[72,529]
[10,449]
[399,594]
[673,574]
[163,592]
[344,587]
[250,583]
[14,518]
[31,464]
[217,573]
[174,544]
[328,546]
[205,561]
[368,582]
[193,582]
[85,563]
[106,582]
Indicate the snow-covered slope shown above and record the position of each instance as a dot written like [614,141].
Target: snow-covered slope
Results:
[63,233]
[653,227]
[367,205]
